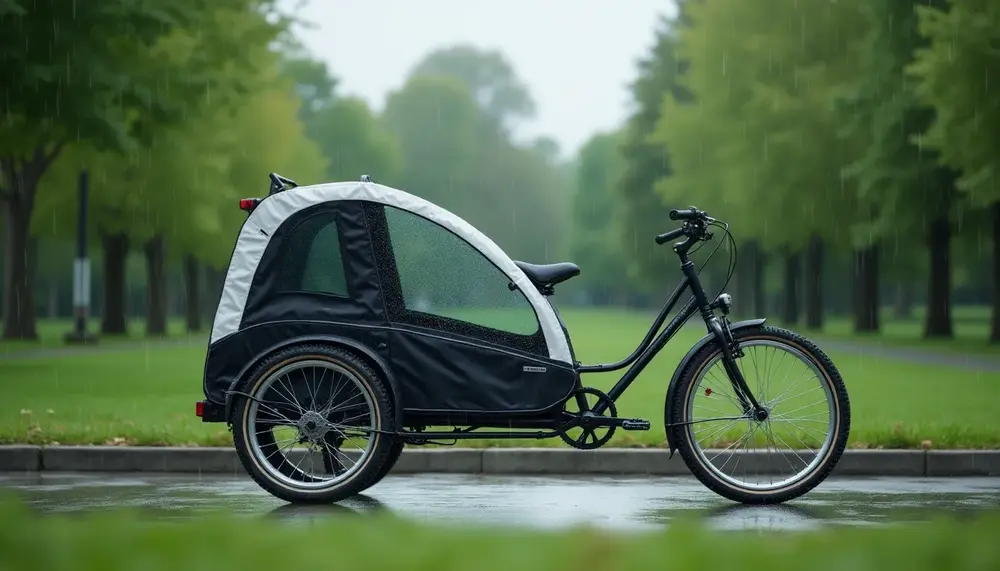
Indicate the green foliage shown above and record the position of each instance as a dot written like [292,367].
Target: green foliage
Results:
[354,142]
[437,124]
[898,179]
[641,213]
[953,74]
[594,245]
[108,72]
[454,155]
[350,137]
[758,145]
[489,77]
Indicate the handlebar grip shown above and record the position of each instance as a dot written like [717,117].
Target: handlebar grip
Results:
[684,214]
[668,236]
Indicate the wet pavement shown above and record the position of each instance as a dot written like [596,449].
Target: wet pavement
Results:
[612,502]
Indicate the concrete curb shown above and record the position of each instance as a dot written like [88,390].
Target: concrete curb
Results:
[513,461]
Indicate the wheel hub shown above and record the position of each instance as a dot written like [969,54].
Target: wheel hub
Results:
[760,414]
[313,426]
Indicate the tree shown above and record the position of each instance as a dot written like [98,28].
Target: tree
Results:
[127,56]
[901,184]
[437,124]
[953,72]
[351,137]
[641,214]
[758,143]
[488,76]
[594,245]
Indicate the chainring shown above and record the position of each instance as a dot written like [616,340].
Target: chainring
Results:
[584,437]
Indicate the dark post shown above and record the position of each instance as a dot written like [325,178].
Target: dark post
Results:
[81,273]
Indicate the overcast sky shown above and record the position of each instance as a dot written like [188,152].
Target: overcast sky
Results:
[576,56]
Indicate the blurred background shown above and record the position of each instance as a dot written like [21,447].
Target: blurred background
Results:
[852,146]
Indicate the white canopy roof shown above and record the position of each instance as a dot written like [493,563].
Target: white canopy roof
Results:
[269,215]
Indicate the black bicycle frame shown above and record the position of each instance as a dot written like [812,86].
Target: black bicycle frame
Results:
[649,347]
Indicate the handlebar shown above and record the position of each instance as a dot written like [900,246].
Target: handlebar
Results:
[694,226]
[668,236]
[685,214]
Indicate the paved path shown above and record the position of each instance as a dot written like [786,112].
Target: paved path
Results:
[983,363]
[611,502]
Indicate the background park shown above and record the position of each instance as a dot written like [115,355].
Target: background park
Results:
[853,148]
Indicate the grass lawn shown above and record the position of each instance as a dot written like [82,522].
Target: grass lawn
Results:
[127,540]
[146,394]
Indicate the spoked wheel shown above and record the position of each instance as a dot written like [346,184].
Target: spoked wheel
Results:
[309,424]
[774,459]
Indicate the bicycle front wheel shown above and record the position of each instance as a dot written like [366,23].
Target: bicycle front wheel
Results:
[762,461]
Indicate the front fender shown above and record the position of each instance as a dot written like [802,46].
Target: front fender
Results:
[334,340]
[674,381]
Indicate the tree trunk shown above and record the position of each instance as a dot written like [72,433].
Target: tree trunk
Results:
[114,320]
[214,281]
[793,268]
[156,287]
[17,199]
[938,322]
[995,326]
[866,298]
[192,294]
[19,269]
[904,301]
[814,283]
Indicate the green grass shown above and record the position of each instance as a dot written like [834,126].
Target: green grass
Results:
[130,540]
[146,395]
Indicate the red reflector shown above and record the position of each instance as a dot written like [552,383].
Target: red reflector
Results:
[199,408]
[248,204]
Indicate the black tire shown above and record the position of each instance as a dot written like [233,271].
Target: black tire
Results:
[681,436]
[394,453]
[372,464]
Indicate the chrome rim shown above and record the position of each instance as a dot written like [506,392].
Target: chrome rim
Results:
[768,455]
[311,424]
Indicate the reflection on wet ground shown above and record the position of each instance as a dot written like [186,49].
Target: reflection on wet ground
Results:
[613,502]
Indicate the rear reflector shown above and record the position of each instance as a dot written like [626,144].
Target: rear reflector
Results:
[248,204]
[199,409]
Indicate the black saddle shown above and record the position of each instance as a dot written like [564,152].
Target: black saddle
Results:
[548,275]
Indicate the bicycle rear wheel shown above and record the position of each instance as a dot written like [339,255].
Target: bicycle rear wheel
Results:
[777,459]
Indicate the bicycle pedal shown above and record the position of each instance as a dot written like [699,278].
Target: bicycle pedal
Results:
[635,424]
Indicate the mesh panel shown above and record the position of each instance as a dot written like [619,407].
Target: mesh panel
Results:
[310,258]
[442,274]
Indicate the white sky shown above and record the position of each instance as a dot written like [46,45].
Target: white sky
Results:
[577,57]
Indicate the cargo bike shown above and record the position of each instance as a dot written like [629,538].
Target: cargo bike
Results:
[356,319]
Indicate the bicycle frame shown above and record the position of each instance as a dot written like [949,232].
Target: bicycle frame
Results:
[649,347]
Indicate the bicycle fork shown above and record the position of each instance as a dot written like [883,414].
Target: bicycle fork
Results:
[724,338]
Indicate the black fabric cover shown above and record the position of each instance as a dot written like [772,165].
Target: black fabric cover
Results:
[438,374]
[266,303]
